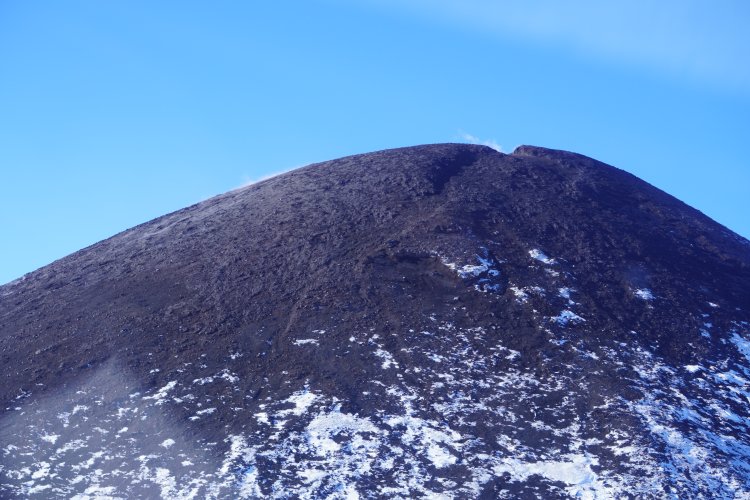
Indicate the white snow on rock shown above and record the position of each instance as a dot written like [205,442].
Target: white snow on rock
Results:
[387,358]
[567,317]
[301,401]
[439,456]
[572,470]
[306,341]
[453,427]
[326,426]
[520,293]
[224,374]
[161,394]
[644,294]
[485,271]
[742,344]
[472,270]
[167,443]
[228,376]
[540,256]
[50,438]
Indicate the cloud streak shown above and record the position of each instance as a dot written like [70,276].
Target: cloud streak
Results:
[472,139]
[706,42]
[249,181]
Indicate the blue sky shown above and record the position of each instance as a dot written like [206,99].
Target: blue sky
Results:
[113,113]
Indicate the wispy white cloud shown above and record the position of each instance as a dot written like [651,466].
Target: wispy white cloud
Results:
[249,181]
[472,139]
[705,42]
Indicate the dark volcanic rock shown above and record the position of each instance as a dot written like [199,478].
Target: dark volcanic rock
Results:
[440,319]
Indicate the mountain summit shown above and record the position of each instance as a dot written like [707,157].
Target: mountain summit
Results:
[440,321]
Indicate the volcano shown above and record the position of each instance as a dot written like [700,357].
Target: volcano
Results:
[439,321]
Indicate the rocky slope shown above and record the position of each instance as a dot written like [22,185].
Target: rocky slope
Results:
[438,321]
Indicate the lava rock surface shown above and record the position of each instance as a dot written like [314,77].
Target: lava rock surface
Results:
[434,321]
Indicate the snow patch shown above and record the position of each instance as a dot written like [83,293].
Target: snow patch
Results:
[520,293]
[324,427]
[50,438]
[566,317]
[301,401]
[162,393]
[742,344]
[537,254]
[574,471]
[644,294]
[306,341]
[387,358]
[439,456]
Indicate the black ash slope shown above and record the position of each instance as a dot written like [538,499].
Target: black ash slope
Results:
[439,319]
